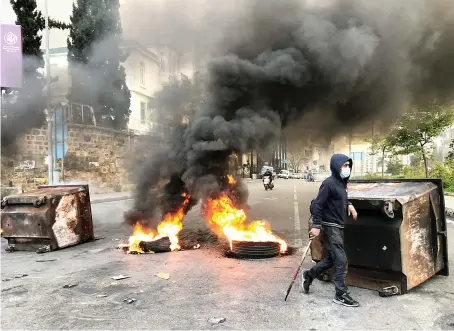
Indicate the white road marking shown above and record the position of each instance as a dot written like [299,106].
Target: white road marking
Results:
[298,241]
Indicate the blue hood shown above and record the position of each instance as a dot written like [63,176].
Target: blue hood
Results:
[337,160]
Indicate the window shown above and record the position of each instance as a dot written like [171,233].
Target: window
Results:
[142,73]
[142,112]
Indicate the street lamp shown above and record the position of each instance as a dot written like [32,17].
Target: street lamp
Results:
[50,158]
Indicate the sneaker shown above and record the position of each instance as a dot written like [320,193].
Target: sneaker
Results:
[345,300]
[307,281]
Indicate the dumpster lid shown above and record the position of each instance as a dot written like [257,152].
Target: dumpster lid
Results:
[400,191]
[48,191]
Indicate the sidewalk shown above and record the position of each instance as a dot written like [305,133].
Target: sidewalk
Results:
[449,206]
[109,197]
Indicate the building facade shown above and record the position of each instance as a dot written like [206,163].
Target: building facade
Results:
[146,71]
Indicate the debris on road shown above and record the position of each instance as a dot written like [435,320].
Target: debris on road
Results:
[50,260]
[120,277]
[163,275]
[6,289]
[129,301]
[217,320]
[44,249]
[102,295]
[7,279]
[69,285]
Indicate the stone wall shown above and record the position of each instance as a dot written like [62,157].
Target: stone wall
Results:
[95,155]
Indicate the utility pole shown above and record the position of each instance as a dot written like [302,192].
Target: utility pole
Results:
[50,158]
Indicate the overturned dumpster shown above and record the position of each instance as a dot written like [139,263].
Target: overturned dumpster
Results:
[48,218]
[399,239]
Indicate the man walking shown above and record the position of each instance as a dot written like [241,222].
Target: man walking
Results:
[329,211]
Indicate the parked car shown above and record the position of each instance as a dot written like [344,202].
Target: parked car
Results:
[298,175]
[284,174]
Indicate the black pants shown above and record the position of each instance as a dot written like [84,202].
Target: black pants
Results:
[335,256]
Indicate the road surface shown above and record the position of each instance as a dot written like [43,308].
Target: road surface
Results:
[203,283]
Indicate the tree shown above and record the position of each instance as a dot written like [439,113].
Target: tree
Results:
[394,166]
[415,160]
[178,101]
[381,146]
[23,108]
[296,157]
[418,127]
[451,150]
[97,76]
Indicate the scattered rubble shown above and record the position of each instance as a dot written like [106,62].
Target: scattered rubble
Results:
[217,320]
[49,260]
[163,275]
[69,285]
[120,277]
[129,301]
[7,279]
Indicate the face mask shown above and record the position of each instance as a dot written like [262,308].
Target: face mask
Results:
[345,172]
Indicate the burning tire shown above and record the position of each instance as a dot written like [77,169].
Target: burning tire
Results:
[158,246]
[255,249]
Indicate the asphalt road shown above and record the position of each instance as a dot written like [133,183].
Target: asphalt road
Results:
[203,283]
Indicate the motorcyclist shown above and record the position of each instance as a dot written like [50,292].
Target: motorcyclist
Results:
[269,173]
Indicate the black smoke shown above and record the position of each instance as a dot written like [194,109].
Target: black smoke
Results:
[340,63]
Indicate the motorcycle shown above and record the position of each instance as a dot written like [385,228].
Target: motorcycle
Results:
[267,184]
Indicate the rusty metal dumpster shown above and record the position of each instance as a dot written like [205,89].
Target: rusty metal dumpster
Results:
[48,218]
[399,239]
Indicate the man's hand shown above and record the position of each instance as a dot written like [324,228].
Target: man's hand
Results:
[314,233]
[352,212]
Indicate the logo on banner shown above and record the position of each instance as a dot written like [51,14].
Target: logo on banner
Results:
[11,38]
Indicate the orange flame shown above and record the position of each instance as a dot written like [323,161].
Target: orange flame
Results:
[222,213]
[231,179]
[170,226]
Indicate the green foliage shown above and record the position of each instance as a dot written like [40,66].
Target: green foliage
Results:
[413,172]
[394,166]
[97,76]
[418,127]
[415,160]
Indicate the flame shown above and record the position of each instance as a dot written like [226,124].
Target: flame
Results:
[223,213]
[170,226]
[231,179]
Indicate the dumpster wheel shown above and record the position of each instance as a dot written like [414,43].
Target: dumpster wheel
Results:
[388,291]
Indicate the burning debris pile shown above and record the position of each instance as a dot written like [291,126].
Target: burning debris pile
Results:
[167,231]
[223,214]
[220,212]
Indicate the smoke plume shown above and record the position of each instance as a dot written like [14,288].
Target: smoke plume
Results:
[22,109]
[340,63]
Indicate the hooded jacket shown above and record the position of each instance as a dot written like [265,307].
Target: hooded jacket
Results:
[330,206]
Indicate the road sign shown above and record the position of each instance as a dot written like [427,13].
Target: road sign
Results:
[10,55]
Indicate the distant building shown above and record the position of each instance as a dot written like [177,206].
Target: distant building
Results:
[146,71]
[442,144]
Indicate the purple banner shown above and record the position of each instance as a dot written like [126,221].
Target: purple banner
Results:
[10,55]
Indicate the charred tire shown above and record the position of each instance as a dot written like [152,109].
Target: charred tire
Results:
[158,246]
[255,249]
